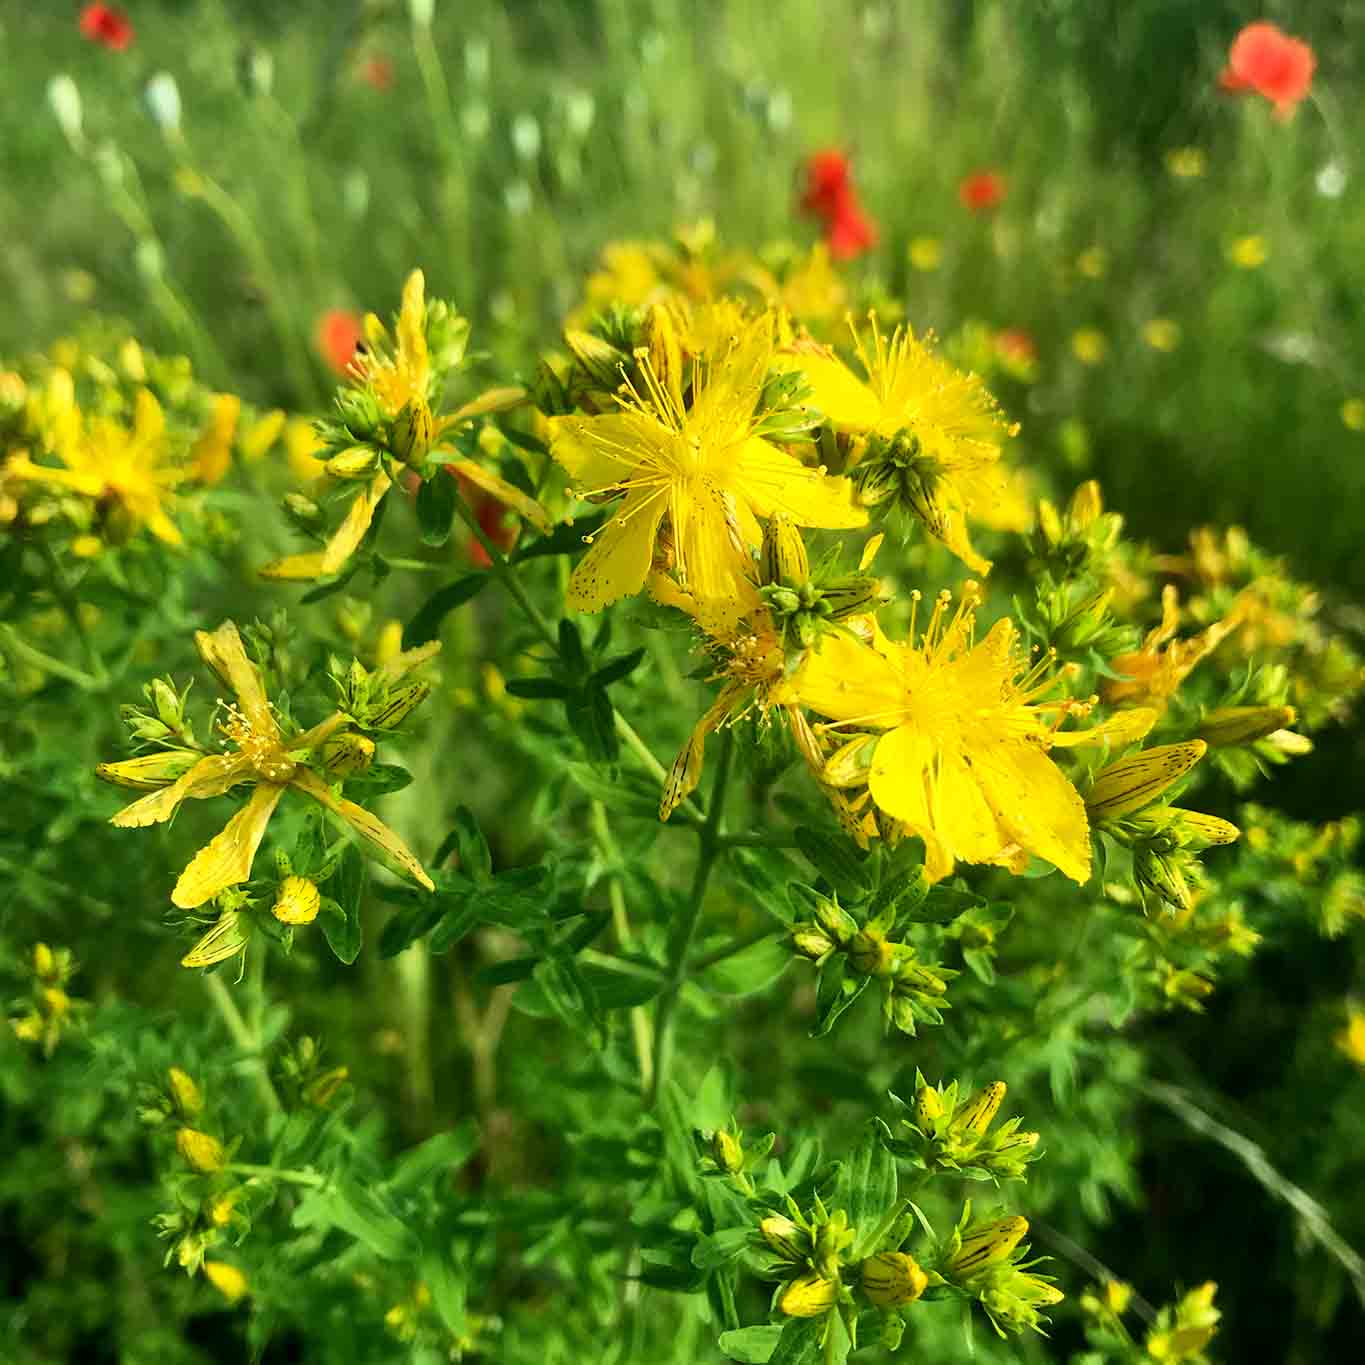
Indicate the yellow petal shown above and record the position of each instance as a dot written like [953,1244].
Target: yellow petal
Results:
[226,859]
[898,777]
[149,772]
[223,652]
[412,334]
[294,568]
[370,827]
[149,422]
[847,681]
[835,389]
[21,467]
[211,776]
[1128,727]
[622,551]
[961,814]
[347,537]
[601,452]
[508,494]
[1036,805]
[686,770]
[1134,782]
[492,400]
[772,481]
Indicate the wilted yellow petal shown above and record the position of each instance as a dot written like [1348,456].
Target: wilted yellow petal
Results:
[223,652]
[210,776]
[351,532]
[295,568]
[372,829]
[509,495]
[1127,727]
[226,860]
[149,772]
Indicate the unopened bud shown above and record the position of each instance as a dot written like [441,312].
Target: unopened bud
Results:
[788,1239]
[976,1114]
[726,1152]
[1160,873]
[928,1107]
[782,560]
[1137,781]
[836,921]
[44,962]
[347,753]
[870,954]
[1230,725]
[986,1246]
[1087,504]
[298,901]
[810,942]
[303,512]
[184,1092]
[809,1297]
[412,431]
[322,1090]
[600,359]
[166,702]
[357,463]
[851,595]
[203,1152]
[399,703]
[892,1279]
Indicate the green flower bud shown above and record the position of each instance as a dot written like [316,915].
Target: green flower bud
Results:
[412,431]
[600,359]
[836,922]
[810,942]
[782,560]
[870,954]
[726,1152]
[347,753]
[809,1297]
[928,1107]
[360,462]
[1230,725]
[985,1245]
[1159,873]
[789,1240]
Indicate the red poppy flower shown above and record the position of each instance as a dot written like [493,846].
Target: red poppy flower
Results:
[982,191]
[1267,60]
[108,26]
[849,231]
[827,183]
[377,72]
[336,336]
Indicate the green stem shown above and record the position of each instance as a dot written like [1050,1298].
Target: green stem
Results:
[639,1019]
[684,928]
[47,663]
[245,1039]
[310,1178]
[71,608]
[731,949]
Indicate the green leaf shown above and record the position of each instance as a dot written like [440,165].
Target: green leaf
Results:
[838,989]
[836,860]
[361,1214]
[426,625]
[563,540]
[801,1343]
[342,927]
[753,969]
[617,669]
[538,689]
[459,919]
[943,904]
[571,649]
[438,1272]
[867,1187]
[379,779]
[408,925]
[476,861]
[525,440]
[720,1248]
[436,506]
[594,722]
[446,1152]
[751,1345]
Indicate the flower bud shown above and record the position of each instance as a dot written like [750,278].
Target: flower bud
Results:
[44,962]
[782,560]
[836,921]
[976,1114]
[203,1152]
[222,1209]
[56,1001]
[359,462]
[347,753]
[396,707]
[303,512]
[167,704]
[320,1092]
[225,939]
[928,1107]
[412,431]
[1160,874]
[1137,781]
[1230,725]
[226,1279]
[298,901]
[726,1152]
[788,1239]
[1117,1296]
[184,1092]
[1087,504]
[809,1297]
[986,1245]
[892,1279]
[870,954]
[851,595]
[600,359]
[810,942]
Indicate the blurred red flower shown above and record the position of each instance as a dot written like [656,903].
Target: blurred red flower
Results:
[1267,60]
[107,25]
[982,191]
[1016,345]
[492,522]
[336,336]
[829,195]
[377,72]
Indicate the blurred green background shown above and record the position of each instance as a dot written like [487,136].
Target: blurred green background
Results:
[322,148]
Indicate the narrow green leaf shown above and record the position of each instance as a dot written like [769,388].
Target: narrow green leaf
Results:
[426,625]
[436,506]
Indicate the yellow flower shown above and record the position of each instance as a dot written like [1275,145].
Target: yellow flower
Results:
[962,758]
[270,763]
[1151,675]
[1351,1039]
[211,456]
[105,460]
[928,431]
[202,1151]
[703,466]
[1186,163]
[298,902]
[1353,414]
[1093,263]
[1161,334]
[226,1279]
[301,443]
[1248,253]
[926,253]
[1089,345]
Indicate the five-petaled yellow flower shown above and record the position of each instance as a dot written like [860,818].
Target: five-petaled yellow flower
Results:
[108,461]
[961,760]
[703,466]
[259,756]
[923,425]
